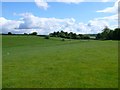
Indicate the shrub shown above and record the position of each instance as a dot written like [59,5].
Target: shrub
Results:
[9,33]
[63,39]
[25,34]
[86,37]
[47,37]
[33,33]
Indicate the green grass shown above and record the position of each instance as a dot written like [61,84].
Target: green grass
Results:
[35,62]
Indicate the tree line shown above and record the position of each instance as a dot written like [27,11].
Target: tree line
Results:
[33,33]
[67,35]
[108,34]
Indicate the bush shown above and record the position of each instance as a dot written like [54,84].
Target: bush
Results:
[47,37]
[9,33]
[33,33]
[63,39]
[25,34]
[86,37]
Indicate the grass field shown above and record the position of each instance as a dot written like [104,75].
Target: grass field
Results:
[35,62]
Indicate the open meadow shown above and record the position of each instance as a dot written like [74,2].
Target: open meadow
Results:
[35,62]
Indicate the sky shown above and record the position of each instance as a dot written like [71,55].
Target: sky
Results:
[44,17]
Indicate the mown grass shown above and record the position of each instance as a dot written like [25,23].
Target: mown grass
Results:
[31,61]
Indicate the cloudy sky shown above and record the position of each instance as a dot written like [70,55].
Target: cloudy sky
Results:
[44,16]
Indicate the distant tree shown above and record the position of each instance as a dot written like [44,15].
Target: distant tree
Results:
[58,34]
[47,37]
[86,37]
[116,34]
[33,33]
[52,34]
[104,34]
[62,34]
[25,34]
[74,36]
[81,36]
[63,39]
[98,36]
[78,37]
[9,33]
[67,35]
[110,35]
[70,35]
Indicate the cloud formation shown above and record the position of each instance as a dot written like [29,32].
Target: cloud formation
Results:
[113,9]
[42,4]
[30,23]
[9,25]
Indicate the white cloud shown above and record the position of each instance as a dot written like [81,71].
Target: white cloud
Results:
[8,25]
[113,9]
[97,25]
[30,23]
[42,4]
[45,25]
[112,20]
[106,0]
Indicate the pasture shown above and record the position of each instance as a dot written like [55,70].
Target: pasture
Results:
[35,62]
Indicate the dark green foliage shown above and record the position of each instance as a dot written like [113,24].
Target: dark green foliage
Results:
[33,33]
[109,34]
[9,33]
[63,39]
[25,34]
[86,37]
[116,34]
[104,34]
[81,36]
[98,36]
[70,35]
[62,34]
[47,37]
